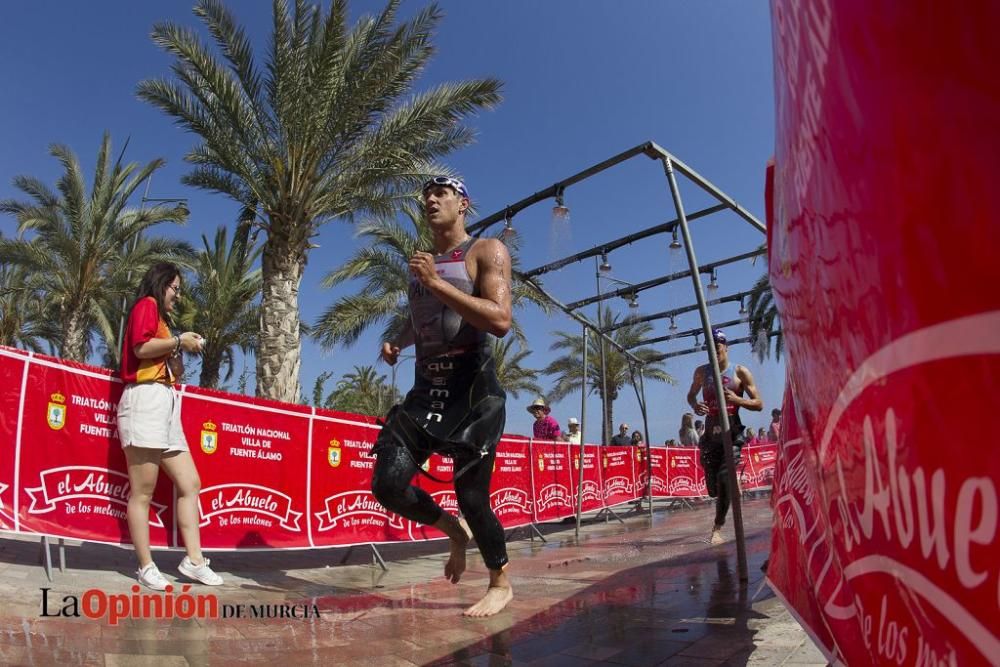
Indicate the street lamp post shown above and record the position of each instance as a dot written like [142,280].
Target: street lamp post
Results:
[395,367]
[605,427]
[603,267]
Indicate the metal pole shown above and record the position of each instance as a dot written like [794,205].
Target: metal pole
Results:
[651,150]
[706,325]
[701,348]
[583,425]
[708,187]
[646,148]
[636,288]
[605,427]
[729,298]
[628,239]
[582,320]
[649,460]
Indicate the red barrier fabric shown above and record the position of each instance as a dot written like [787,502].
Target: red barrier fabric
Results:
[252,462]
[274,476]
[593,497]
[13,375]
[343,509]
[685,478]
[510,486]
[618,475]
[883,239]
[757,466]
[658,455]
[72,480]
[553,481]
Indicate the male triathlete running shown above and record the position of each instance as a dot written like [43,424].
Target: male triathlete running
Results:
[457,296]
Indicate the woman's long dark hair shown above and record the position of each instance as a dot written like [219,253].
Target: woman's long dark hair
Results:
[155,283]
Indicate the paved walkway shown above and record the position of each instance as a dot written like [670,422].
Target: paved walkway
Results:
[626,594]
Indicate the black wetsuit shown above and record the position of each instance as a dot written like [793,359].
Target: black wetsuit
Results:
[711,444]
[456,408]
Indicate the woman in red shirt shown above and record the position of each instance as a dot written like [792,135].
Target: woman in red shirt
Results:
[149,423]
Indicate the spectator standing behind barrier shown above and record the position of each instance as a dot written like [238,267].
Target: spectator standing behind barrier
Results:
[774,431]
[688,435]
[545,427]
[749,437]
[740,392]
[636,439]
[623,437]
[699,426]
[149,423]
[573,435]
[762,436]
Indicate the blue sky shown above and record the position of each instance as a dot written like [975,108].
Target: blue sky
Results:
[582,82]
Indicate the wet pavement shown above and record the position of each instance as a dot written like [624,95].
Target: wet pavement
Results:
[632,593]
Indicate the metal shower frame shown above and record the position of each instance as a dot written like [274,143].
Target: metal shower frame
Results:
[670,165]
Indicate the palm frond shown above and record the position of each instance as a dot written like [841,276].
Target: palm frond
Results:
[78,245]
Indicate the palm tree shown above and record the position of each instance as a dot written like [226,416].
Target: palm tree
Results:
[321,132]
[568,370]
[513,377]
[319,387]
[23,321]
[362,391]
[225,295]
[382,262]
[765,323]
[81,251]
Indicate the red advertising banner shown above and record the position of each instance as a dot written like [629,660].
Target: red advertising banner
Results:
[618,475]
[641,469]
[343,510]
[252,459]
[883,240]
[757,467]
[274,476]
[510,488]
[73,481]
[13,369]
[685,477]
[593,495]
[552,480]
[658,456]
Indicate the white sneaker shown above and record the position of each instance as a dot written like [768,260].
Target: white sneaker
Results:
[150,577]
[717,537]
[202,573]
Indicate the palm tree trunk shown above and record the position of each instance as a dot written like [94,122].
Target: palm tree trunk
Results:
[611,420]
[279,357]
[74,345]
[211,362]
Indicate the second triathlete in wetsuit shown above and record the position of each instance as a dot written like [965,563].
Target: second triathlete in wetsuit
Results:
[741,392]
[456,407]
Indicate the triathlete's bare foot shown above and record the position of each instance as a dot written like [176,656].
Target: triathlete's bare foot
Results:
[495,600]
[458,537]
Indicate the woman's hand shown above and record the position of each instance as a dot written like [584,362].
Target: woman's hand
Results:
[192,342]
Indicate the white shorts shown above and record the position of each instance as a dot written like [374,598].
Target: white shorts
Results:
[149,415]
